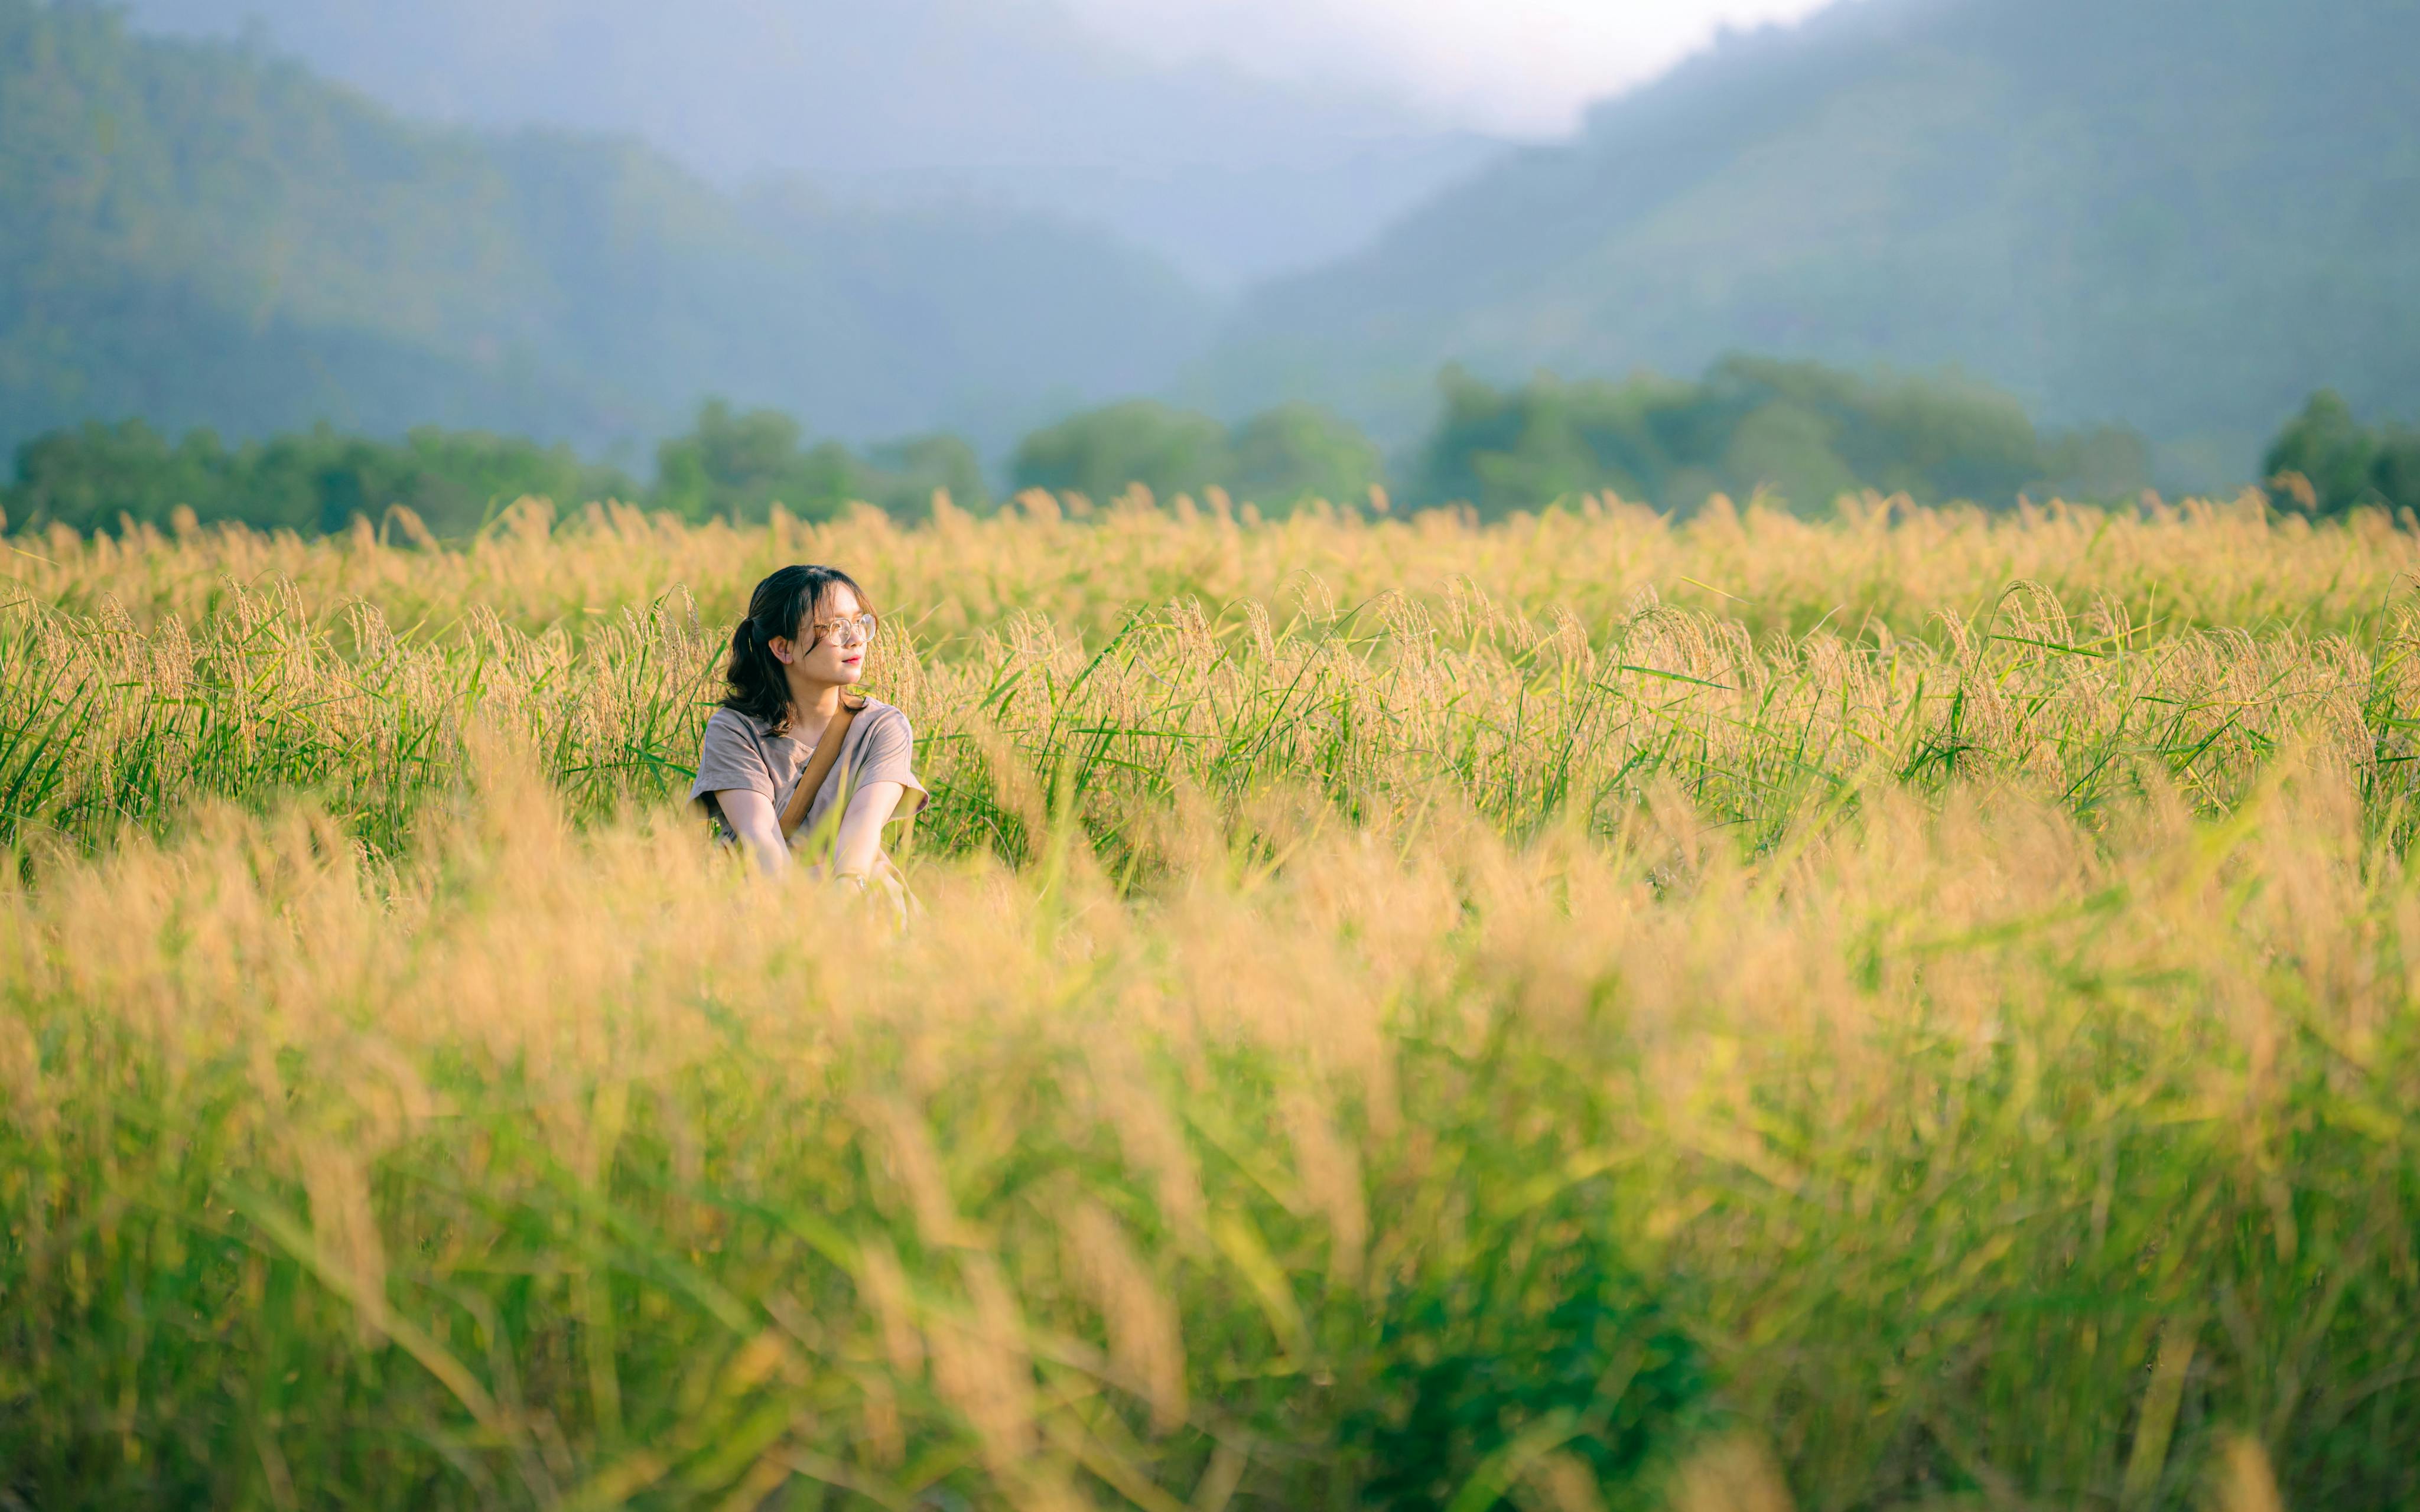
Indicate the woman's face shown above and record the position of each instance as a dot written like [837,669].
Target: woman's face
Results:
[837,654]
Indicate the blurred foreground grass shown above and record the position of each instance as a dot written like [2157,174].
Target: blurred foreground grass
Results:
[1435,1050]
[1951,1151]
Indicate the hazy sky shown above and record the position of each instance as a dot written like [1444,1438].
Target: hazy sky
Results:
[1519,67]
[1239,139]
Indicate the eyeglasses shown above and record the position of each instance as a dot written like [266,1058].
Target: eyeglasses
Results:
[857,627]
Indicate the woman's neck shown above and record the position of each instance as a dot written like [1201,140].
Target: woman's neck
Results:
[813,703]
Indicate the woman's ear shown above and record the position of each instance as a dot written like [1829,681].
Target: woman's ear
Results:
[784,649]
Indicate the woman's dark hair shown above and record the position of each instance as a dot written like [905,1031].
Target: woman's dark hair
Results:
[781,606]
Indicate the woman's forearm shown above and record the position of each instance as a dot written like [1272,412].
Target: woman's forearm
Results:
[861,829]
[752,818]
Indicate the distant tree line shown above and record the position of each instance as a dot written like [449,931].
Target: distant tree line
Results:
[1803,433]
[93,475]
[2327,462]
[1800,433]
[740,466]
[731,465]
[735,466]
[1277,459]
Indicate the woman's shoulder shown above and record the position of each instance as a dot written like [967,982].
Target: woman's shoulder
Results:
[875,715]
[730,721]
[727,726]
[731,754]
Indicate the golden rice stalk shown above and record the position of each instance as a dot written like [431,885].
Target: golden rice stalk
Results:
[1733,1474]
[1146,1335]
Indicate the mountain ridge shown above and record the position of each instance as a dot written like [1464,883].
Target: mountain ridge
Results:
[2149,214]
[1008,103]
[209,236]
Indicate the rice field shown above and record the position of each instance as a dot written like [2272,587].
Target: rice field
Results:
[1589,1011]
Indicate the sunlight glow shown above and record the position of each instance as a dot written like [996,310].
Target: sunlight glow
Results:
[1522,66]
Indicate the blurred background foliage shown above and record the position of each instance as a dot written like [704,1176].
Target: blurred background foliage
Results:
[2039,193]
[1796,432]
[240,289]
[2328,462]
[314,482]
[1275,460]
[206,235]
[738,466]
[1803,431]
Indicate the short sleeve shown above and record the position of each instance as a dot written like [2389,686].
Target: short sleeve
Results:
[730,759]
[888,754]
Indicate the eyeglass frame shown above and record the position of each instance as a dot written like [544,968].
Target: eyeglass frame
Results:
[863,623]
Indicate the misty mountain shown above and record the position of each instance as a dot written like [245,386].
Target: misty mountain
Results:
[2181,214]
[202,235]
[1005,102]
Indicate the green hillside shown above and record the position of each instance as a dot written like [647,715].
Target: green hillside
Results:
[2184,217]
[199,235]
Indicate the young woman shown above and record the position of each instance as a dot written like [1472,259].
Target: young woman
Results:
[793,658]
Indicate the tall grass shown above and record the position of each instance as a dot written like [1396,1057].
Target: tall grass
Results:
[1446,1047]
[1954,1152]
[1528,713]
[2189,566]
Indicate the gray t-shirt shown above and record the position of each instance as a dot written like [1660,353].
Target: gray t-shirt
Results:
[740,752]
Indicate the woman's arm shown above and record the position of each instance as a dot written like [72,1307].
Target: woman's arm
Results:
[861,829]
[751,816]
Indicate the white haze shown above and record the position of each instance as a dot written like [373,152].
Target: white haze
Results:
[1525,67]
[1239,139]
